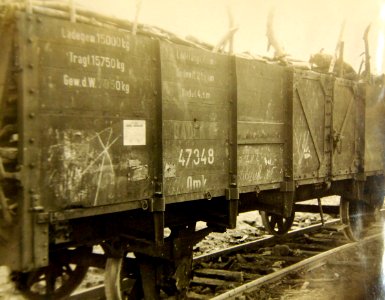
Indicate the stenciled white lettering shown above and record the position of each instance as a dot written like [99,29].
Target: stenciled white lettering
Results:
[115,41]
[96,60]
[190,93]
[196,156]
[195,75]
[196,183]
[93,83]
[186,56]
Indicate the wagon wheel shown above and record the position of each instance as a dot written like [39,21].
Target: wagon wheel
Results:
[122,281]
[356,216]
[56,281]
[276,224]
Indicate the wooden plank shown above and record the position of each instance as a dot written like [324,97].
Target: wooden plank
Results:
[195,94]
[78,57]
[70,33]
[193,130]
[86,92]
[86,67]
[199,184]
[178,71]
[261,92]
[93,141]
[210,281]
[190,110]
[86,163]
[195,296]
[259,164]
[309,138]
[346,119]
[220,274]
[177,93]
[189,56]
[260,132]
[374,129]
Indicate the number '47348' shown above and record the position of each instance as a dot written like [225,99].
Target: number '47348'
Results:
[196,156]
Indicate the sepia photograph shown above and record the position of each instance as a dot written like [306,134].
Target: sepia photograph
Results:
[192,150]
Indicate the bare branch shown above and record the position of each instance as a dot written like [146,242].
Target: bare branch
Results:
[367,54]
[271,38]
[135,24]
[226,38]
[340,37]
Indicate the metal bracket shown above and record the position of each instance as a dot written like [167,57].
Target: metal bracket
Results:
[43,217]
[337,141]
[232,193]
[156,204]
[360,177]
[287,186]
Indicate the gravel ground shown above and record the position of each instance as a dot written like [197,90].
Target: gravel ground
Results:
[361,277]
[249,228]
[7,287]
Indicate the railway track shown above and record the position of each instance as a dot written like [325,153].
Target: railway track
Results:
[254,289]
[242,270]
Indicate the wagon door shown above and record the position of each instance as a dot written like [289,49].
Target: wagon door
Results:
[348,128]
[195,114]
[311,125]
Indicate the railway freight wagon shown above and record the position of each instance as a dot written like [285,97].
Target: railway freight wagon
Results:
[109,138]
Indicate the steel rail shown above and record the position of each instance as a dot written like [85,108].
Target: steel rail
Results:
[97,292]
[307,263]
[265,241]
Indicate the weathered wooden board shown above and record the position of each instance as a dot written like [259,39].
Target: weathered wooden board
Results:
[92,94]
[262,91]
[348,110]
[260,164]
[86,163]
[189,130]
[195,115]
[311,158]
[374,129]
[85,67]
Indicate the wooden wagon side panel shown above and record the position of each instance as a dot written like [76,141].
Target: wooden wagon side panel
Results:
[348,129]
[374,129]
[262,100]
[195,116]
[311,125]
[93,106]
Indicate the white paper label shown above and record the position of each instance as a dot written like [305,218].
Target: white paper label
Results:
[134,132]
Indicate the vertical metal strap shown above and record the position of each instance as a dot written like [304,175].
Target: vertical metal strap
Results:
[232,193]
[158,217]
[288,186]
